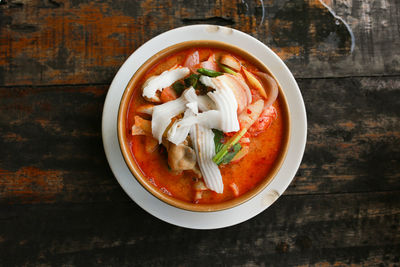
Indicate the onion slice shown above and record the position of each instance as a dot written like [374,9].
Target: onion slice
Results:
[271,87]
[203,142]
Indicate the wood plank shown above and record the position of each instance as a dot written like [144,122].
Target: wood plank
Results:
[353,141]
[70,42]
[333,229]
[52,139]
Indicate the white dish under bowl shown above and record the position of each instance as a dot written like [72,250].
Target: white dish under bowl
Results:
[218,219]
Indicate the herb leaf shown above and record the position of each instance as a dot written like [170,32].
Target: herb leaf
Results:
[231,153]
[178,87]
[210,73]
[218,141]
[192,80]
[218,138]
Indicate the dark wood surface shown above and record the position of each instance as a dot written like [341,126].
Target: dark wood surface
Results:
[60,204]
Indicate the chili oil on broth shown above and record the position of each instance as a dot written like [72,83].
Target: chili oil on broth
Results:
[246,173]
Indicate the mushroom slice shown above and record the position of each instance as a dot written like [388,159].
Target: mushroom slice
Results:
[181,157]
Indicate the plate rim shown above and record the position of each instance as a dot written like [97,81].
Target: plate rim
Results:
[152,204]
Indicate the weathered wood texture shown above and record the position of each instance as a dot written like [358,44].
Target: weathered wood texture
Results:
[60,204]
[80,42]
[52,147]
[322,230]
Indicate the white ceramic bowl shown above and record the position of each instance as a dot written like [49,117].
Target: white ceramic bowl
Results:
[223,218]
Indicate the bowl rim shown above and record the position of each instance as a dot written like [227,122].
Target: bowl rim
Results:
[134,167]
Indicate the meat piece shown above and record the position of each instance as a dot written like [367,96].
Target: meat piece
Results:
[182,158]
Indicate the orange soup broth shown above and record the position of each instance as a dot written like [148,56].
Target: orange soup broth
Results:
[246,173]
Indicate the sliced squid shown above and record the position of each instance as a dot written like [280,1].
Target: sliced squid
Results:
[162,115]
[180,129]
[225,101]
[240,90]
[165,79]
[204,102]
[203,142]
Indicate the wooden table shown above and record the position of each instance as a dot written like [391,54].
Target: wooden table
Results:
[60,204]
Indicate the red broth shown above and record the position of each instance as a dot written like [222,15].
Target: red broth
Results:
[246,173]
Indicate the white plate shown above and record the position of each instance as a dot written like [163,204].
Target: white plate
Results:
[205,220]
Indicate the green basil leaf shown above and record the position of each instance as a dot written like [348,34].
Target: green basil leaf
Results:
[218,138]
[192,80]
[178,87]
[231,153]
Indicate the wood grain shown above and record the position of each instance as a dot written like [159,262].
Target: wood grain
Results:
[60,204]
[353,142]
[81,42]
[54,149]
[320,230]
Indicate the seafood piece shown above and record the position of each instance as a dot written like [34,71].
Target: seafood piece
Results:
[165,79]
[180,129]
[163,114]
[203,142]
[251,114]
[264,121]
[238,87]
[225,101]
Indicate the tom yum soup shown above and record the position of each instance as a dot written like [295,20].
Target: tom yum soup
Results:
[206,125]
